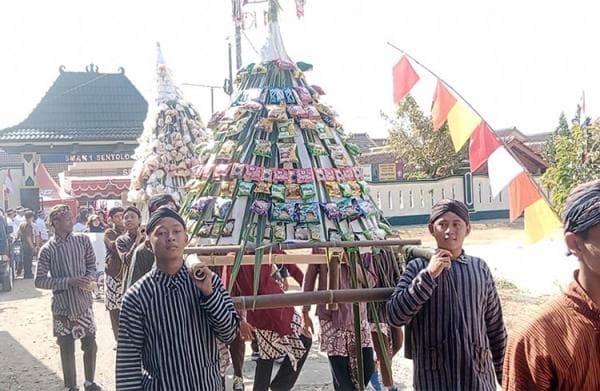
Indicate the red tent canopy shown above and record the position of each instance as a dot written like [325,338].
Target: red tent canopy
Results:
[97,187]
[50,192]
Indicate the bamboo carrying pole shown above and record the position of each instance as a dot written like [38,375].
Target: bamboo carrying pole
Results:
[318,297]
[296,246]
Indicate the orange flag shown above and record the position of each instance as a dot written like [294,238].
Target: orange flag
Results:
[540,221]
[405,78]
[443,101]
[521,194]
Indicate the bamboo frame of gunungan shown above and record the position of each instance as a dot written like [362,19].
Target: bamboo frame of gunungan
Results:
[309,298]
[208,250]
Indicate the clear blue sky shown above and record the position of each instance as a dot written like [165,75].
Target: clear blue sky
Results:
[520,63]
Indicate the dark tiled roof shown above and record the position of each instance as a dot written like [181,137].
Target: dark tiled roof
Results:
[363,140]
[84,106]
[9,159]
[538,137]
[380,142]
[377,157]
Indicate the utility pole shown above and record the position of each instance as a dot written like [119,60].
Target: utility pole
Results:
[237,21]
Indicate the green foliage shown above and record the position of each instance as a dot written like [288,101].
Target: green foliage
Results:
[561,130]
[577,160]
[427,153]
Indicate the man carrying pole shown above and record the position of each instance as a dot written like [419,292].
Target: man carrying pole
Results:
[455,333]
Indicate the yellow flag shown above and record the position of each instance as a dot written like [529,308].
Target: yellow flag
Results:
[540,221]
[462,121]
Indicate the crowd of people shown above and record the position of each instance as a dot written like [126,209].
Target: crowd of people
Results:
[178,332]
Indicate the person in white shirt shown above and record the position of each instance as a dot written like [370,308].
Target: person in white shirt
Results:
[41,227]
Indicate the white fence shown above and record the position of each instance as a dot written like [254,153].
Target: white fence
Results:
[410,202]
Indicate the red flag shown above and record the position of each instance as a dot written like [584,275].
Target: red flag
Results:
[483,143]
[405,78]
[521,194]
[443,101]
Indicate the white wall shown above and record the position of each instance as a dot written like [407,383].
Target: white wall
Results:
[408,198]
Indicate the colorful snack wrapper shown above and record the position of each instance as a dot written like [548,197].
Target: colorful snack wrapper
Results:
[358,173]
[278,192]
[245,188]
[301,232]
[355,188]
[320,174]
[333,190]
[237,170]
[226,151]
[222,206]
[279,232]
[263,188]
[297,111]
[338,155]
[221,171]
[329,174]
[318,89]
[276,112]
[304,95]
[348,209]
[205,229]
[286,129]
[260,207]
[276,96]
[316,149]
[309,213]
[366,208]
[262,148]
[338,175]
[267,175]
[346,190]
[253,173]
[226,189]
[364,187]
[283,212]
[281,175]
[348,173]
[293,191]
[265,124]
[287,153]
[308,191]
[290,96]
[312,113]
[202,203]
[314,232]
[331,210]
[353,149]
[307,124]
[304,175]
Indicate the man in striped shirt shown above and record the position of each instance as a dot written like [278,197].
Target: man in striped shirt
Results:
[67,265]
[454,329]
[170,321]
[560,349]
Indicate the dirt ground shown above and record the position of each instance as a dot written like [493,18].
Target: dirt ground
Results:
[29,356]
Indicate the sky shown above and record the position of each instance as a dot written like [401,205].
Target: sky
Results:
[518,63]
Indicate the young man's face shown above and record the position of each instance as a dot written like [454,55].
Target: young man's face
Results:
[117,219]
[63,223]
[587,248]
[168,240]
[449,231]
[131,221]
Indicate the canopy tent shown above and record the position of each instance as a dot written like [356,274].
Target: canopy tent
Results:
[103,187]
[50,192]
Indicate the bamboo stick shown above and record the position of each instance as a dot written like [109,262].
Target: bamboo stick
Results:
[300,259]
[308,298]
[334,266]
[295,246]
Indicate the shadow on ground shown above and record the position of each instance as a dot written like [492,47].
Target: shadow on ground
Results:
[18,364]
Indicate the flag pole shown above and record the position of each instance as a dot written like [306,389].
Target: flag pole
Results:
[512,154]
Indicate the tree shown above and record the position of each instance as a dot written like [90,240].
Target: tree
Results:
[577,160]
[561,130]
[427,153]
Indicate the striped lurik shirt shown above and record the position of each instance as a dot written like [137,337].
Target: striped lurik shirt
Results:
[560,349]
[455,333]
[167,334]
[58,261]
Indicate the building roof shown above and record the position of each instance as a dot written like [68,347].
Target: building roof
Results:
[377,157]
[363,140]
[84,106]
